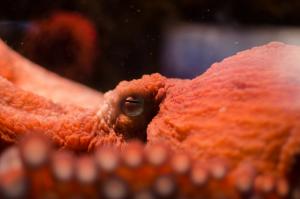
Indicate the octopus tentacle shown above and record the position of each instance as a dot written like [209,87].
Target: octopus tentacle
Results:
[17,69]
[129,172]
[24,112]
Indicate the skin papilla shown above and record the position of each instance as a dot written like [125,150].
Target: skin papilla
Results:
[240,120]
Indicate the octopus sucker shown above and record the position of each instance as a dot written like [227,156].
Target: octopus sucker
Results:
[65,174]
[231,132]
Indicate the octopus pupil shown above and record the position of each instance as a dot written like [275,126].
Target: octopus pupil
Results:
[133,106]
[132,101]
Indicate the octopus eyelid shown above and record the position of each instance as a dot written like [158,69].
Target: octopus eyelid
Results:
[133,101]
[132,105]
[133,98]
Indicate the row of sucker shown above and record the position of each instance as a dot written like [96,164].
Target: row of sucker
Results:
[34,169]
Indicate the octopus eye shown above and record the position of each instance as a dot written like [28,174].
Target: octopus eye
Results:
[132,106]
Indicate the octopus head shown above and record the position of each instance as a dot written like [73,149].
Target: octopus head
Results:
[130,107]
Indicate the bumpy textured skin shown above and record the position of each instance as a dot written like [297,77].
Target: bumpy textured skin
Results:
[244,108]
[242,111]
[31,77]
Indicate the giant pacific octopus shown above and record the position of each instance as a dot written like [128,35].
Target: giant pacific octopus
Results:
[232,132]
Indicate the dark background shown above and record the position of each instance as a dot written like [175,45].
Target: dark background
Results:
[130,33]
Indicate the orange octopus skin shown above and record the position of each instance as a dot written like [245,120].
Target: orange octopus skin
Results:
[75,117]
[31,77]
[75,127]
[244,110]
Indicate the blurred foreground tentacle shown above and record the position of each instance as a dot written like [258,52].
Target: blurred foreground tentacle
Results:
[34,170]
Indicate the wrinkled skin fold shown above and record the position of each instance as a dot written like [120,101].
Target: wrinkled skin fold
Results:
[243,110]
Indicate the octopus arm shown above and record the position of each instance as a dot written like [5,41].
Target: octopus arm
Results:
[23,112]
[133,172]
[34,78]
